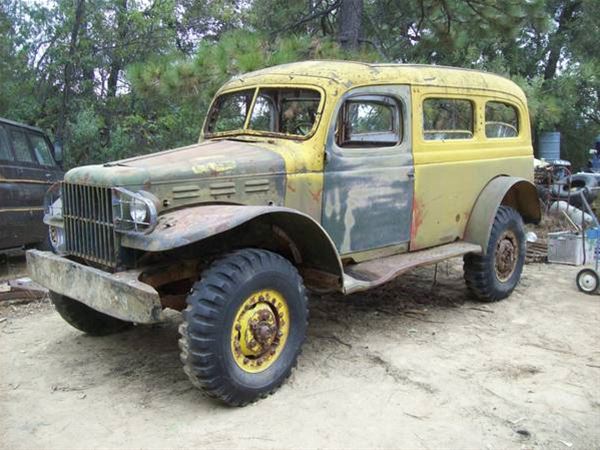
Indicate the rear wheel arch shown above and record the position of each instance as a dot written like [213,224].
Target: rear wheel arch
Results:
[517,193]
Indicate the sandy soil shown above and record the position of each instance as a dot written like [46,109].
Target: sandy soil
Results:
[408,365]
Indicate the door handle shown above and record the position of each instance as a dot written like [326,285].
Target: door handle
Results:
[411,175]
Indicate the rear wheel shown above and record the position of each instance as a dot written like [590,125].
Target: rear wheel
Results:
[493,276]
[85,318]
[244,326]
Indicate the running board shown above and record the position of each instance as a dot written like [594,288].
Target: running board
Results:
[368,274]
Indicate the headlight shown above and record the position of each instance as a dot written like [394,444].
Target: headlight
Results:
[134,212]
[138,211]
[56,236]
[53,202]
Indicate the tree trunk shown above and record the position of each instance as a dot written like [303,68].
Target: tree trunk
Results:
[557,40]
[116,64]
[350,24]
[68,70]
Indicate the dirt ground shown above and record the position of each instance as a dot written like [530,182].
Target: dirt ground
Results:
[406,366]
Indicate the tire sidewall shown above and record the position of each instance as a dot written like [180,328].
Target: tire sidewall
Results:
[514,224]
[280,282]
[594,275]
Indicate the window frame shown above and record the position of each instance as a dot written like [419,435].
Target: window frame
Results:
[33,162]
[518,117]
[8,143]
[441,96]
[402,93]
[246,131]
[49,145]
[397,120]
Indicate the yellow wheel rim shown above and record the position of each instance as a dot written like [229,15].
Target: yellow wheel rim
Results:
[259,331]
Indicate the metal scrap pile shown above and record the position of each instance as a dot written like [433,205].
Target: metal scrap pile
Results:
[564,193]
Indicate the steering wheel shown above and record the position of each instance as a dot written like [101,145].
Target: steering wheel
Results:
[303,128]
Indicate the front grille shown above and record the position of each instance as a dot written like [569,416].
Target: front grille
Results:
[89,227]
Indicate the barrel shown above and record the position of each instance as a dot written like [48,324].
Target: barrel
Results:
[549,147]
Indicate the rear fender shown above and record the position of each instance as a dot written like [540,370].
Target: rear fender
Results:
[515,192]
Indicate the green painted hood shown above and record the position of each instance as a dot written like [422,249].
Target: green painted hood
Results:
[205,160]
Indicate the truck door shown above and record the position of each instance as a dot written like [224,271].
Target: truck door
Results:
[32,173]
[368,181]
[8,194]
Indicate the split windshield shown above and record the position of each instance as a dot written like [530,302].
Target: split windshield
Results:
[276,110]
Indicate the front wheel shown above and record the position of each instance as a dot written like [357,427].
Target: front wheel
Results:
[493,276]
[86,319]
[244,326]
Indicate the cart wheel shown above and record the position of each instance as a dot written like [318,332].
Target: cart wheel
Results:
[588,281]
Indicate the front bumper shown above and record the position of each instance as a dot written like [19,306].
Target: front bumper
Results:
[119,295]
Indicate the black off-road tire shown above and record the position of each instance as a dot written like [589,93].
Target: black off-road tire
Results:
[213,303]
[86,319]
[480,271]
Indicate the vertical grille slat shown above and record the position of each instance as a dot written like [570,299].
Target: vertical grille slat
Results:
[89,228]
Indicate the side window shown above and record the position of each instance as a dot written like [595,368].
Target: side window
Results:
[447,118]
[501,120]
[21,146]
[41,149]
[369,121]
[5,153]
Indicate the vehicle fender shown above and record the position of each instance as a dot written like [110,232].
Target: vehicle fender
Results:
[515,192]
[311,243]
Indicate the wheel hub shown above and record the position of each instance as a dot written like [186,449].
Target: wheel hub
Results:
[507,254]
[588,282]
[260,330]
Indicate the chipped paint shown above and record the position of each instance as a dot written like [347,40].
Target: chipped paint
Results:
[214,169]
[361,203]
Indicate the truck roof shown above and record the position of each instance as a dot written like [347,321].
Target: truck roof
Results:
[20,125]
[352,73]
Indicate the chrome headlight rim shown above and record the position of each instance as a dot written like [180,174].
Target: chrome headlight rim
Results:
[123,218]
[53,202]
[56,238]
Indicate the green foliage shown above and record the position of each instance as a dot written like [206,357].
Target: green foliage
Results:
[129,76]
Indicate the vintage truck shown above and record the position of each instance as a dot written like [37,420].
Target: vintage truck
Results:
[320,176]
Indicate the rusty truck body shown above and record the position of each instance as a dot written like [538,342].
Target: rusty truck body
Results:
[326,176]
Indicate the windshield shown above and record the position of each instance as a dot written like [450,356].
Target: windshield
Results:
[276,110]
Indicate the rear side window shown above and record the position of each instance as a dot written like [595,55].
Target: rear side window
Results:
[41,149]
[447,118]
[5,153]
[501,120]
[21,146]
[369,121]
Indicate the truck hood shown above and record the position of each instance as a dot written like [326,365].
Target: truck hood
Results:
[208,159]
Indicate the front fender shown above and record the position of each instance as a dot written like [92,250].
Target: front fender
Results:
[183,227]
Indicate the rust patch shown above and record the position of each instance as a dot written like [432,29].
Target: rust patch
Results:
[417,221]
[316,196]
